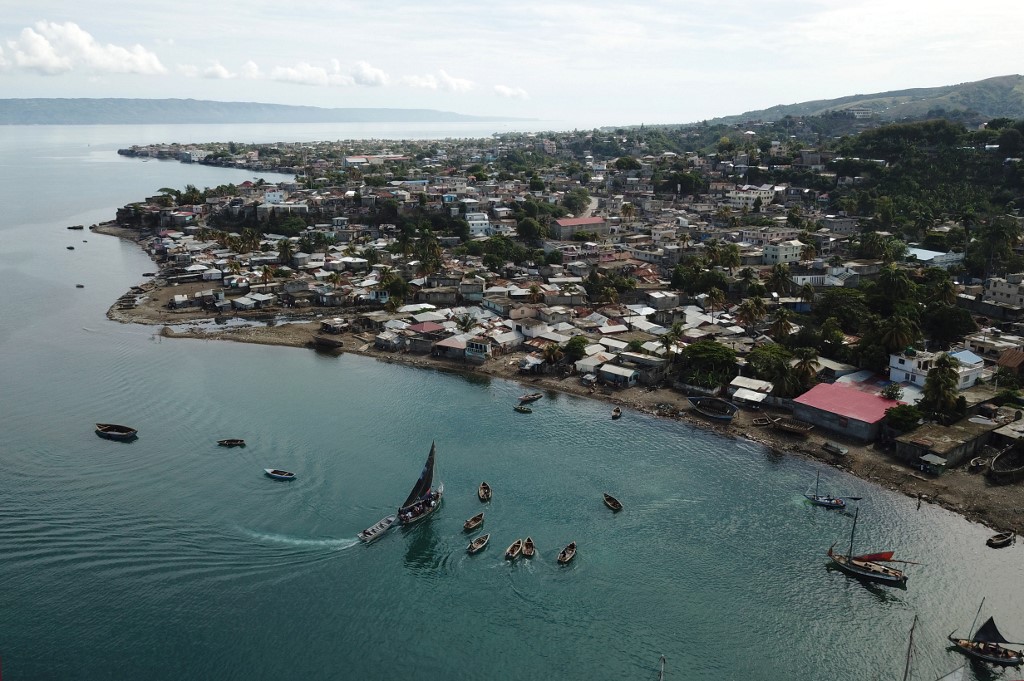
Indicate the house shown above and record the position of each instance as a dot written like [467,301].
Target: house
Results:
[913,366]
[945,446]
[618,376]
[843,410]
[778,252]
[565,228]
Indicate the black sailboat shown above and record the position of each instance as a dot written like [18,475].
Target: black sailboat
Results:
[988,644]
[868,567]
[424,499]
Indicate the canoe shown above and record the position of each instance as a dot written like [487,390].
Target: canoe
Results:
[793,426]
[231,442]
[377,530]
[478,544]
[279,474]
[484,492]
[835,448]
[714,407]
[998,541]
[528,548]
[513,551]
[532,397]
[567,554]
[616,413]
[612,503]
[474,522]
[112,431]
[522,410]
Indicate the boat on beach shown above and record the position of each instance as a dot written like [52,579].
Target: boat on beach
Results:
[530,397]
[835,448]
[529,548]
[474,522]
[113,431]
[714,407]
[514,549]
[566,555]
[278,474]
[988,644]
[377,530]
[483,492]
[478,544]
[868,567]
[231,442]
[1000,540]
[612,503]
[522,410]
[792,426]
[423,499]
[616,413]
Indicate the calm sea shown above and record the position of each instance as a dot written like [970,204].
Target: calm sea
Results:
[171,558]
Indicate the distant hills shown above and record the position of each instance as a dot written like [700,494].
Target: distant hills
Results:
[164,111]
[990,98]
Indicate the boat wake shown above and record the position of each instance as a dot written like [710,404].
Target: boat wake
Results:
[335,544]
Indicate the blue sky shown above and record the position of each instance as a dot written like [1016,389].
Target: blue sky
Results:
[584,63]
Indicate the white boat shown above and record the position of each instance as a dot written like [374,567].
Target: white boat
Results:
[377,530]
[279,474]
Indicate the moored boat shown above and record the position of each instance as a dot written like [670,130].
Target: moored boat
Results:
[531,397]
[423,499]
[616,413]
[514,549]
[484,492]
[474,522]
[567,554]
[377,530]
[612,503]
[529,548]
[988,644]
[867,567]
[714,407]
[231,442]
[113,431]
[793,426]
[835,448]
[826,500]
[998,541]
[522,410]
[478,544]
[279,474]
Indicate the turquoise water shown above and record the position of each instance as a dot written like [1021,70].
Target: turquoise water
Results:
[172,558]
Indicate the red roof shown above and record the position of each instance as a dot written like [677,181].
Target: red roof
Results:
[571,222]
[426,327]
[836,398]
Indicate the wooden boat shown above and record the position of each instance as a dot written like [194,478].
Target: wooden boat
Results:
[988,644]
[868,567]
[478,544]
[955,675]
[522,410]
[71,248]
[513,551]
[474,522]
[484,492]
[76,226]
[793,426]
[377,530]
[531,397]
[567,554]
[714,407]
[762,421]
[835,448]
[112,431]
[616,413]
[998,541]
[279,474]
[612,503]
[423,499]
[529,548]
[1007,466]
[79,285]
[824,499]
[231,442]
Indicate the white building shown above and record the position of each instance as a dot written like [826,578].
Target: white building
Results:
[782,252]
[1009,291]
[479,224]
[912,366]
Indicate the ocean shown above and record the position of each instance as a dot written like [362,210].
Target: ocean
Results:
[172,558]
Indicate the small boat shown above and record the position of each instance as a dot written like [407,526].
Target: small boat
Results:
[513,551]
[612,503]
[423,499]
[522,410]
[998,541]
[474,522]
[835,448]
[377,530]
[112,431]
[484,492]
[79,285]
[478,544]
[762,421]
[616,413]
[278,474]
[76,226]
[532,397]
[824,499]
[714,407]
[231,442]
[987,645]
[868,567]
[71,248]
[529,548]
[793,426]
[567,554]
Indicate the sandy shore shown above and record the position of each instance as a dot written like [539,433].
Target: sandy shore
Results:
[969,494]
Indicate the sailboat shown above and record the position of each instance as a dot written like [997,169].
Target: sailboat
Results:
[423,499]
[824,499]
[987,644]
[955,675]
[868,566]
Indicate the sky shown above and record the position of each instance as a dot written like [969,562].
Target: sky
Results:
[581,63]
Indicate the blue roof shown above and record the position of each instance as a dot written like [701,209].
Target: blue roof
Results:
[966,357]
[923,254]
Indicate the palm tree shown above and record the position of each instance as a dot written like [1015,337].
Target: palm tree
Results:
[897,333]
[536,294]
[941,387]
[730,257]
[609,294]
[944,292]
[808,252]
[627,211]
[779,280]
[234,267]
[552,353]
[806,367]
[781,325]
[895,283]
[747,277]
[334,279]
[715,299]
[267,273]
[465,322]
[807,293]
[713,251]
[285,251]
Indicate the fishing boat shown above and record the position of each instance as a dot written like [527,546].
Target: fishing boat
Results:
[513,551]
[484,492]
[955,675]
[231,442]
[998,541]
[868,567]
[478,544]
[616,413]
[792,426]
[278,474]
[531,397]
[988,644]
[474,522]
[567,554]
[824,499]
[612,503]
[423,499]
[714,407]
[377,530]
[112,431]
[835,448]
[529,548]
[522,410]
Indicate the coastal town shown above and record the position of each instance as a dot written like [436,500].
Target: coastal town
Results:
[772,274]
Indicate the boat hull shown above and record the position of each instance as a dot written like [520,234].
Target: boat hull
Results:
[827,502]
[714,408]
[1006,658]
[377,530]
[278,474]
[109,431]
[869,571]
[999,541]
[426,514]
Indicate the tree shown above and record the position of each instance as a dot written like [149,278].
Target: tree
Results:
[575,348]
[893,391]
[903,418]
[941,388]
[715,300]
[770,361]
[708,363]
[465,322]
[806,367]
[781,325]
[552,353]
[627,163]
[530,230]
[729,257]
[807,293]
[897,333]
[945,325]
[536,294]
[895,283]
[285,251]
[779,280]
[576,200]
[627,211]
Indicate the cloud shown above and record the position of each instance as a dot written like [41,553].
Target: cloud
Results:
[428,81]
[364,74]
[455,84]
[443,81]
[218,71]
[52,49]
[251,71]
[511,92]
[307,74]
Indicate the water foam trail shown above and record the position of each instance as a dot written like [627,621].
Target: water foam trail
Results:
[335,544]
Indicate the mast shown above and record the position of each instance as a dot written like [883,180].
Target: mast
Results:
[816,478]
[852,530]
[971,632]
[910,650]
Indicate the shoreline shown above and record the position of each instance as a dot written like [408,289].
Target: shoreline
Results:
[966,494]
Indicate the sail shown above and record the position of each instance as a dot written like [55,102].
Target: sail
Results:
[989,633]
[883,555]
[426,479]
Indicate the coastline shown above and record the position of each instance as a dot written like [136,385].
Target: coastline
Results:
[964,493]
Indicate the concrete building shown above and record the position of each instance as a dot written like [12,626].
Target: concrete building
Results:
[779,252]
[912,366]
[843,410]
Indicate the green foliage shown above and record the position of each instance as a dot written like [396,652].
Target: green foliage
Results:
[576,200]
[903,417]
[290,226]
[770,362]
[627,163]
[574,348]
[945,325]
[707,363]
[893,391]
